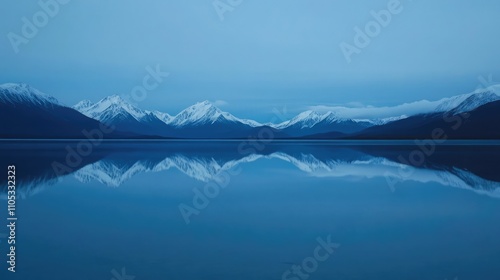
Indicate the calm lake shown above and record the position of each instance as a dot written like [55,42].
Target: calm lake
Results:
[156,210]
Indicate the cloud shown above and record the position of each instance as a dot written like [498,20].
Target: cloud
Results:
[220,103]
[356,110]
[370,112]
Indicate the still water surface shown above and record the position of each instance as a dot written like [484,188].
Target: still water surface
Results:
[220,210]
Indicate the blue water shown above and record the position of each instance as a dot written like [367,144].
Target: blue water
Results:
[119,208]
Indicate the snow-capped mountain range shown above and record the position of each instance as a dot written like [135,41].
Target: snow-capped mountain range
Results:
[203,113]
[205,120]
[114,107]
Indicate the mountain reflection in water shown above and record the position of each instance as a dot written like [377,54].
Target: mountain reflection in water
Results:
[473,167]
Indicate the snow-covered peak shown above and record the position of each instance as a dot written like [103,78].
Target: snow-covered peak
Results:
[476,100]
[448,104]
[206,113]
[82,105]
[115,106]
[164,117]
[205,103]
[199,113]
[310,118]
[468,102]
[200,108]
[331,117]
[493,88]
[110,106]
[307,117]
[115,99]
[24,93]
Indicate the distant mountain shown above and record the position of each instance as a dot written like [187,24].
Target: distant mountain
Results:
[475,101]
[340,121]
[444,114]
[311,122]
[202,120]
[204,113]
[113,110]
[205,120]
[384,115]
[480,123]
[28,113]
[467,102]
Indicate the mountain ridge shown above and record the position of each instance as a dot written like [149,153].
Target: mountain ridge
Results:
[204,120]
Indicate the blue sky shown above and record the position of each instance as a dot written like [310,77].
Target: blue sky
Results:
[263,55]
